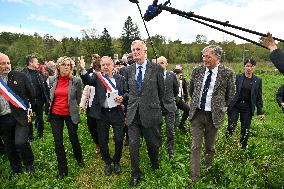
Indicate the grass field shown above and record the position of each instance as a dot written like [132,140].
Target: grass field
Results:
[260,166]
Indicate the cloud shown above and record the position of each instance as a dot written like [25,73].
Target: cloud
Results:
[258,15]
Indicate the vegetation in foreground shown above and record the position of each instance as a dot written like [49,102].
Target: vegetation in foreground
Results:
[260,166]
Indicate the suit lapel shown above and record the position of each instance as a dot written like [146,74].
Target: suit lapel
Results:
[70,88]
[147,74]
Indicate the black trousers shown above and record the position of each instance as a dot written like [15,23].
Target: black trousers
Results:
[152,139]
[110,117]
[181,105]
[244,110]
[93,129]
[57,124]
[15,139]
[37,107]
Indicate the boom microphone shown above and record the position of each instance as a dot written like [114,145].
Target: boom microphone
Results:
[134,1]
[152,11]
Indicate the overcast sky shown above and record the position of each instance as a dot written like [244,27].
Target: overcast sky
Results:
[68,17]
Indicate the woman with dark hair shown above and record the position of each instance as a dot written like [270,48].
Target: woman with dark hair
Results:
[65,95]
[248,96]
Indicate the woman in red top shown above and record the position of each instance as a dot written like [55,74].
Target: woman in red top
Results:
[65,96]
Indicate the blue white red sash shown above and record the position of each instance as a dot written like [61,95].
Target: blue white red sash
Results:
[9,95]
[109,85]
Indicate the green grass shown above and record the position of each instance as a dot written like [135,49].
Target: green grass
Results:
[260,166]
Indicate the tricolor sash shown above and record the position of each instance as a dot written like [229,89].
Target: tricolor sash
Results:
[9,95]
[106,82]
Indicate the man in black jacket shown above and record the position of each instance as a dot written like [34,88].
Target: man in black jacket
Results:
[109,90]
[41,92]
[14,121]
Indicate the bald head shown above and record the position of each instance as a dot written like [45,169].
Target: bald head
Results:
[5,65]
[163,62]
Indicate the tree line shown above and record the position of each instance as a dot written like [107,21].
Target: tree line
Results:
[46,47]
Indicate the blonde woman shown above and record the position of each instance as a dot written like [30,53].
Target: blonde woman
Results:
[65,95]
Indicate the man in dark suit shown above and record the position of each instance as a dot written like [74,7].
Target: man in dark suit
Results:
[42,94]
[169,104]
[145,86]
[106,109]
[276,55]
[280,97]
[14,121]
[248,96]
[212,87]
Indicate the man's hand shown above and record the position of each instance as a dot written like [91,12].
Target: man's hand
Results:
[261,117]
[282,104]
[82,110]
[119,99]
[268,42]
[82,63]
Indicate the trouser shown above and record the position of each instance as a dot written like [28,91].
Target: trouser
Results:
[181,105]
[244,110]
[152,139]
[110,116]
[57,124]
[15,139]
[93,129]
[37,107]
[170,122]
[202,127]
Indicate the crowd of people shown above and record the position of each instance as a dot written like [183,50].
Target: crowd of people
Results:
[132,96]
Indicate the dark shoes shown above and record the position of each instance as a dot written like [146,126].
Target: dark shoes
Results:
[107,169]
[134,180]
[81,164]
[117,168]
[60,176]
[30,169]
[189,186]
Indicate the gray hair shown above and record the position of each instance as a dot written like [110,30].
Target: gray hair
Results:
[214,49]
[140,42]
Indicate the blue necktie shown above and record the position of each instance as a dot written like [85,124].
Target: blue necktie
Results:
[205,90]
[139,78]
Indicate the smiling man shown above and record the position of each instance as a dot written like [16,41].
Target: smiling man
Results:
[13,115]
[212,88]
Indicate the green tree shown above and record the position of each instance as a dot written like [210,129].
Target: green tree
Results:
[106,48]
[130,33]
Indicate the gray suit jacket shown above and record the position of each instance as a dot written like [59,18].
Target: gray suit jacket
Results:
[171,91]
[148,100]
[223,92]
[74,96]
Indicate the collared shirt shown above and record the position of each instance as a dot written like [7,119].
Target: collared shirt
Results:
[211,87]
[165,74]
[143,69]
[106,105]
[4,104]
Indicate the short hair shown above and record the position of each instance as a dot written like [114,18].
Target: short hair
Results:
[215,49]
[29,58]
[162,58]
[107,57]
[252,61]
[140,42]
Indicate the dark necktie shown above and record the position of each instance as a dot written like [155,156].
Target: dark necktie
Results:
[205,90]
[139,78]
